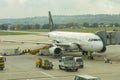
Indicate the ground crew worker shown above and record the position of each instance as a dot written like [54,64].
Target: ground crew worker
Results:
[107,60]
[90,55]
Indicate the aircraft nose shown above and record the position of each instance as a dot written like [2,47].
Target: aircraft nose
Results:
[99,46]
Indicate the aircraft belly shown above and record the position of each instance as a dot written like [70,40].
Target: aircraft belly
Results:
[92,47]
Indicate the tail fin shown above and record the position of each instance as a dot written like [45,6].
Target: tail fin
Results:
[51,22]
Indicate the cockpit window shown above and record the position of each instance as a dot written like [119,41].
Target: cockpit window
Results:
[94,40]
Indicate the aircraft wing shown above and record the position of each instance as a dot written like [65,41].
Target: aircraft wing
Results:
[33,42]
[62,44]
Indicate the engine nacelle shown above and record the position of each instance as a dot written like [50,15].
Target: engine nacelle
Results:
[103,49]
[56,51]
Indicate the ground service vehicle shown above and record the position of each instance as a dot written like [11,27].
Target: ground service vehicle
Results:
[46,64]
[2,62]
[34,51]
[85,77]
[79,60]
[38,62]
[68,63]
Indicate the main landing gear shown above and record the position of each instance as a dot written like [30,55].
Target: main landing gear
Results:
[88,55]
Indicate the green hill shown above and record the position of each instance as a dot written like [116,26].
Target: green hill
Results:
[101,18]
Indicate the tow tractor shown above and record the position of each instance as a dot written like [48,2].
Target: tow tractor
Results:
[45,64]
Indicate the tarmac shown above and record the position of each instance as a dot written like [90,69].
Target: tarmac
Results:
[22,67]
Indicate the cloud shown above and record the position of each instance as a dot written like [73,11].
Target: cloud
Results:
[2,3]
[14,2]
[22,1]
[24,8]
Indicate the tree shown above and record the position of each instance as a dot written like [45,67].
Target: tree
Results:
[45,26]
[12,28]
[26,27]
[37,26]
[72,24]
[18,26]
[4,27]
[94,25]
[85,24]
[111,25]
[116,25]
[101,25]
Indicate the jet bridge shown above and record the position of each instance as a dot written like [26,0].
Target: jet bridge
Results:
[109,37]
[113,38]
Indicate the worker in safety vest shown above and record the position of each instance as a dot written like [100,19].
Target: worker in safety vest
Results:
[90,55]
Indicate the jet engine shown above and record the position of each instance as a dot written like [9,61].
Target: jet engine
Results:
[56,51]
[103,49]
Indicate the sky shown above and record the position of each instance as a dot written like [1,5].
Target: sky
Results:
[32,8]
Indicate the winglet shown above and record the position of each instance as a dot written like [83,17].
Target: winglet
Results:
[51,22]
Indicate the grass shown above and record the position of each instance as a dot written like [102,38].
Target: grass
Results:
[37,30]
[65,29]
[11,33]
[88,29]
[77,29]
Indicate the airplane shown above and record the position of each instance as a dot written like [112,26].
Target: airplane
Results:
[85,42]
[68,41]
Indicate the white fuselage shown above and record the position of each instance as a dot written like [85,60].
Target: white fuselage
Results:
[87,41]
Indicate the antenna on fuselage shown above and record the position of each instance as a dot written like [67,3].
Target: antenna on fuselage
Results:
[51,24]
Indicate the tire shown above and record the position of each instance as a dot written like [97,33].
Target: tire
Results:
[51,67]
[76,69]
[67,69]
[39,66]
[60,67]
[1,68]
[81,66]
